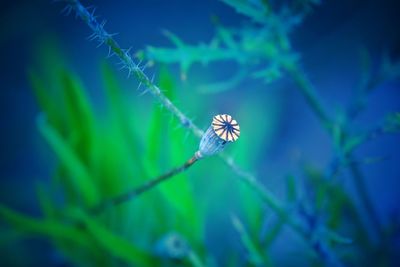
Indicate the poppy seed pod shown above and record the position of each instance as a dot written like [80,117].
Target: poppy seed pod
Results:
[223,129]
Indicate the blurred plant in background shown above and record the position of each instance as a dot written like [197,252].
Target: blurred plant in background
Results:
[100,156]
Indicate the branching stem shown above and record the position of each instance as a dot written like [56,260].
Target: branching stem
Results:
[107,38]
[306,89]
[250,180]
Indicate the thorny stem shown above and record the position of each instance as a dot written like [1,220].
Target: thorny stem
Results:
[319,247]
[368,83]
[143,188]
[307,90]
[107,38]
[123,54]
[127,61]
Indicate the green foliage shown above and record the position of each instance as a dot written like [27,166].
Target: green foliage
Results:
[79,180]
[99,156]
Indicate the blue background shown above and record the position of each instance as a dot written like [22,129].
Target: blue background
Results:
[329,41]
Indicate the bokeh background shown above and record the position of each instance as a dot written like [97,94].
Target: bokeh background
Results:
[137,140]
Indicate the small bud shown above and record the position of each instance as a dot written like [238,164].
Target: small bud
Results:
[223,129]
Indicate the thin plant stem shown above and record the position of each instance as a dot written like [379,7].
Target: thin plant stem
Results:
[127,62]
[127,196]
[105,38]
[307,90]
[267,197]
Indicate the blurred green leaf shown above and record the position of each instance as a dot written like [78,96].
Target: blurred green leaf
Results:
[79,175]
[112,243]
[45,202]
[122,126]
[178,191]
[79,116]
[45,100]
[50,228]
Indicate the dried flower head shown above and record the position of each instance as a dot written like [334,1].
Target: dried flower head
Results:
[223,129]
[226,127]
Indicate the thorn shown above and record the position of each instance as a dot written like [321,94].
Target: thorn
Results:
[100,43]
[103,23]
[110,53]
[127,51]
[93,11]
[92,36]
[140,84]
[144,92]
[135,67]
[138,64]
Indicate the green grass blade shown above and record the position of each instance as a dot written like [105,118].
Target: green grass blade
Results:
[45,227]
[79,115]
[122,124]
[114,244]
[77,172]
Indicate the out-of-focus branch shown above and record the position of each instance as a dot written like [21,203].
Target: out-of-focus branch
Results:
[143,188]
[307,90]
